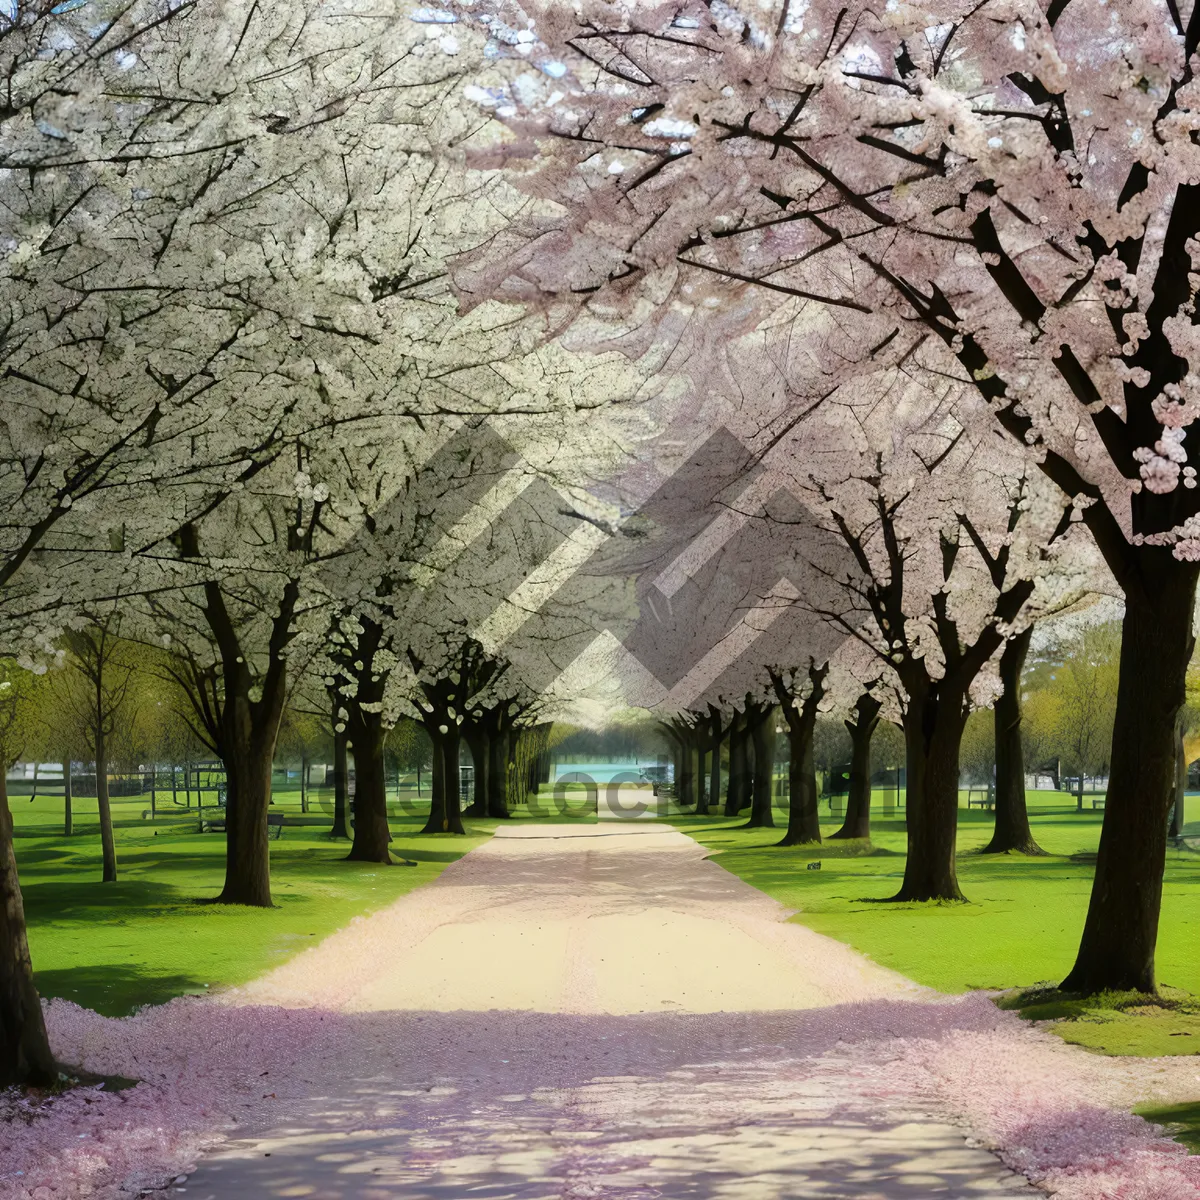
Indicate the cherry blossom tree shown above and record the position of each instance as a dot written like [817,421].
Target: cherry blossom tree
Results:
[218,248]
[1014,181]
[947,535]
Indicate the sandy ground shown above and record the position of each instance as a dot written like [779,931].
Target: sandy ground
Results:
[609,918]
[642,1013]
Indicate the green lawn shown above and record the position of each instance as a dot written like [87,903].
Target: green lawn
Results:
[1021,926]
[144,939]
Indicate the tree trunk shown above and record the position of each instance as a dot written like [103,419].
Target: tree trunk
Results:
[304,783]
[341,775]
[108,845]
[933,727]
[247,848]
[1012,830]
[497,776]
[762,732]
[735,791]
[714,769]
[153,790]
[364,731]
[683,779]
[858,803]
[804,819]
[68,814]
[1116,952]
[444,814]
[698,775]
[1175,829]
[477,739]
[25,1056]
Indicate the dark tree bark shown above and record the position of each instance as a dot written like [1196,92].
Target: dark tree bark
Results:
[304,783]
[1116,952]
[248,765]
[933,729]
[371,834]
[804,822]
[1175,829]
[341,778]
[676,730]
[444,812]
[715,732]
[499,752]
[761,718]
[241,727]
[698,772]
[440,701]
[68,796]
[1012,832]
[858,803]
[25,1056]
[736,791]
[936,709]
[478,740]
[366,734]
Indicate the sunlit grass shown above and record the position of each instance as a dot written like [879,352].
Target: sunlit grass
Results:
[145,939]
[1020,927]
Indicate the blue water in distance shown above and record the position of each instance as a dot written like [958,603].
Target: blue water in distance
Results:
[603,772]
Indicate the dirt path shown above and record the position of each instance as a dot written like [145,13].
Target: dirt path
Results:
[609,918]
[667,1034]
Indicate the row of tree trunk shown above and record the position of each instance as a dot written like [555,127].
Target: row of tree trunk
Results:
[749,734]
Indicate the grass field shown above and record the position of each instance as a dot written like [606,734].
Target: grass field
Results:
[145,939]
[1020,928]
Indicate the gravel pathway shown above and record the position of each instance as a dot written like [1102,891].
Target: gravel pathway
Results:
[619,933]
[589,1013]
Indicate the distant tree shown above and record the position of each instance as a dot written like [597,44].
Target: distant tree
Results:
[977,758]
[97,692]
[1087,684]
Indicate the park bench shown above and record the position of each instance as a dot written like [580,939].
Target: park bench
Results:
[1074,786]
[216,823]
[213,823]
[981,798]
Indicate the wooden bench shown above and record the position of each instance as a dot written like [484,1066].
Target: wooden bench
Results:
[981,798]
[216,824]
